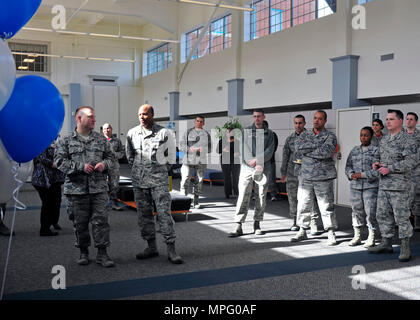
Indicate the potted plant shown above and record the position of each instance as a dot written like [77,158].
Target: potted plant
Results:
[231,124]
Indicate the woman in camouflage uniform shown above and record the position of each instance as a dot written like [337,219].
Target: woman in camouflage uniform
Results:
[363,187]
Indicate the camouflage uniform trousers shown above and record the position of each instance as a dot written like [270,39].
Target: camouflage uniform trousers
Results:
[392,209]
[113,183]
[186,174]
[144,201]
[323,191]
[363,205]
[245,186]
[292,184]
[93,208]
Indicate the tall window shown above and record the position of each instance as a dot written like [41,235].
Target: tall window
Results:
[217,38]
[270,16]
[157,59]
[27,56]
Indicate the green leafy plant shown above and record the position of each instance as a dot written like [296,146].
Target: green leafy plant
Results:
[231,124]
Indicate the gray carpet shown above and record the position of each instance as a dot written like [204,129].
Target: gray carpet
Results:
[217,267]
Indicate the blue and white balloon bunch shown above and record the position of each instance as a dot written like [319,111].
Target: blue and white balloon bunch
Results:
[31,107]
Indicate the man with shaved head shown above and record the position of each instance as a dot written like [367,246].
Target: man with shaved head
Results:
[151,149]
[85,156]
[317,173]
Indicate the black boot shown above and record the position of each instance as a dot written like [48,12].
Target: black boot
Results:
[384,247]
[103,259]
[4,231]
[84,257]
[172,255]
[238,231]
[150,252]
[405,253]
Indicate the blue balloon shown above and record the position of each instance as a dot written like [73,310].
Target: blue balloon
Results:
[14,14]
[32,118]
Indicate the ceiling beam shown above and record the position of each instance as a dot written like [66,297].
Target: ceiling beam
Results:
[144,17]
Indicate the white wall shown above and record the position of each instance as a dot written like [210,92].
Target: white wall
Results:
[156,88]
[202,78]
[392,27]
[130,100]
[281,60]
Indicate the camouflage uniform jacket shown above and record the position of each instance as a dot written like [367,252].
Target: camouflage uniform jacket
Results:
[250,149]
[146,152]
[399,154]
[288,165]
[376,140]
[416,172]
[118,148]
[71,155]
[317,155]
[362,161]
[195,138]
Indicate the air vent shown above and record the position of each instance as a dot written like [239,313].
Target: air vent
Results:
[103,80]
[311,71]
[219,88]
[386,57]
[165,98]
[189,94]
[258,81]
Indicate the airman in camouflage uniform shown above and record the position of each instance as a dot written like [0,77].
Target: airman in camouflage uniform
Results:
[411,121]
[150,148]
[257,150]
[377,126]
[114,174]
[290,168]
[397,157]
[316,176]
[84,156]
[363,186]
[196,145]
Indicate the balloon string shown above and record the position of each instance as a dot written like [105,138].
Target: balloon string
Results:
[18,205]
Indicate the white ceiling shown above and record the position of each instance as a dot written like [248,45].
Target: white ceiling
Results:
[128,12]
[161,13]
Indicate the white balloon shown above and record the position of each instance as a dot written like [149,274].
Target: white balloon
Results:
[8,182]
[7,72]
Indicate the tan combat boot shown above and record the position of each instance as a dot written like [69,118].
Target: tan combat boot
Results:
[357,238]
[370,241]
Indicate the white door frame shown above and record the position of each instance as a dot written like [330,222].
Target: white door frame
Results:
[369,108]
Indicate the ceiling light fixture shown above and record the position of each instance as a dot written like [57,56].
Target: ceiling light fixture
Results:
[23,67]
[73,57]
[27,60]
[116,36]
[216,5]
